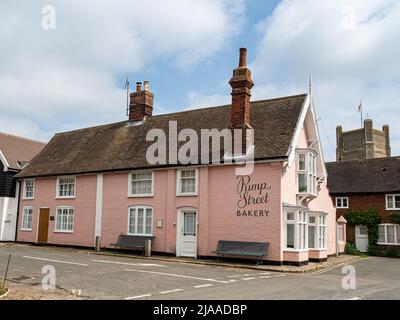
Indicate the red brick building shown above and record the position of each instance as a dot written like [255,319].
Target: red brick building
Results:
[359,185]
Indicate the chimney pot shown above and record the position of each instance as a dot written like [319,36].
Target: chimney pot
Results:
[146,85]
[138,86]
[243,58]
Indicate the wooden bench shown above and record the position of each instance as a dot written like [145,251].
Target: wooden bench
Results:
[242,248]
[126,241]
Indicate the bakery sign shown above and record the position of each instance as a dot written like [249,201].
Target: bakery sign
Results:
[253,198]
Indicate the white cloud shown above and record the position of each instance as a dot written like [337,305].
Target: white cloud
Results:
[65,78]
[199,100]
[350,46]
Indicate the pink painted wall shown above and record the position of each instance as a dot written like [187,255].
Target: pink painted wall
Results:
[323,202]
[216,205]
[84,212]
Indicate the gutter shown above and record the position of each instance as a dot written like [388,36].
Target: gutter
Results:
[258,160]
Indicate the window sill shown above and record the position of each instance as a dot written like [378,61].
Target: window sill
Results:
[63,231]
[62,198]
[393,209]
[28,198]
[140,234]
[317,249]
[388,244]
[187,195]
[295,250]
[140,195]
[26,230]
[342,208]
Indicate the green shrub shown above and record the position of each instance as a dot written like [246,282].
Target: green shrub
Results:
[351,249]
[371,220]
[395,218]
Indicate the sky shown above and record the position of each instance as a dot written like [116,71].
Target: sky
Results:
[72,76]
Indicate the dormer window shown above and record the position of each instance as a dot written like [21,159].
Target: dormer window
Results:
[307,173]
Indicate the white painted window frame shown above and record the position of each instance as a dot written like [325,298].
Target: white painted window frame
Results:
[24,197]
[179,192]
[56,216]
[23,227]
[394,202]
[297,225]
[341,206]
[143,195]
[144,220]
[310,171]
[58,187]
[396,236]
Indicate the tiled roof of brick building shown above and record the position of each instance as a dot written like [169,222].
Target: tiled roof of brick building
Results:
[123,145]
[364,176]
[15,149]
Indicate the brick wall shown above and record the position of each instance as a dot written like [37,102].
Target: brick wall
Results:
[362,202]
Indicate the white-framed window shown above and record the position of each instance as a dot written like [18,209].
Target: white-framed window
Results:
[317,230]
[389,234]
[64,219]
[27,214]
[140,220]
[66,187]
[29,189]
[393,202]
[342,202]
[141,184]
[307,173]
[296,231]
[187,181]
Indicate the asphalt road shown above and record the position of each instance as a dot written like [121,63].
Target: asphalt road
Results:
[105,277]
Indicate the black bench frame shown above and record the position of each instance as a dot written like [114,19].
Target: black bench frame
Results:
[242,248]
[134,242]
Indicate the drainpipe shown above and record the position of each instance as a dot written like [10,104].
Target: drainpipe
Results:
[18,205]
[337,239]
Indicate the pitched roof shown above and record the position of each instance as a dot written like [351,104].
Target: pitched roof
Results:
[123,145]
[364,176]
[16,149]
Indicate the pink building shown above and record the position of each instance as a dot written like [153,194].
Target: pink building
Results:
[98,182]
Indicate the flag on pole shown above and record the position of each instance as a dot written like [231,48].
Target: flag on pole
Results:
[360,109]
[126,83]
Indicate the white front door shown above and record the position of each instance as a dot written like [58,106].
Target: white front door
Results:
[362,238]
[186,242]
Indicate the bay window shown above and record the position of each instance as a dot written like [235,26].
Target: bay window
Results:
[296,232]
[389,234]
[317,230]
[307,173]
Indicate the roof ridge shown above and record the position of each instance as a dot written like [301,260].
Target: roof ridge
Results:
[178,112]
[227,105]
[22,138]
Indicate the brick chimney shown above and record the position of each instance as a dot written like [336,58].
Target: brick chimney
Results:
[241,84]
[141,102]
